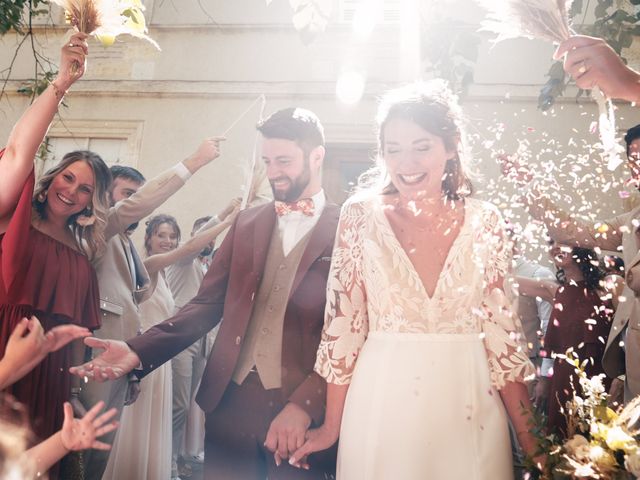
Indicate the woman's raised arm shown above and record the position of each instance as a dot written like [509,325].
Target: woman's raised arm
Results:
[29,132]
[191,247]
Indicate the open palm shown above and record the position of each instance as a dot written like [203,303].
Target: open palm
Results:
[116,360]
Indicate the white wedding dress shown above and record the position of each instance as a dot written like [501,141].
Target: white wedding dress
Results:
[142,447]
[424,373]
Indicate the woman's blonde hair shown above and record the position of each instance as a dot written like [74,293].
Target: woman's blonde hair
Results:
[89,238]
[433,107]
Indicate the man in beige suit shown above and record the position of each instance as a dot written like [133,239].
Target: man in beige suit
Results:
[122,278]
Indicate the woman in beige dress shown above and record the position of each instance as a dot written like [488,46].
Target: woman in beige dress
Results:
[423,357]
[142,448]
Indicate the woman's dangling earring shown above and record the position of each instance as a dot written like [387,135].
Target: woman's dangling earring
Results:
[86,217]
[42,196]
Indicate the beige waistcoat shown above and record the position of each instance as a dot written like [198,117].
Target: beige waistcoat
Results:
[262,345]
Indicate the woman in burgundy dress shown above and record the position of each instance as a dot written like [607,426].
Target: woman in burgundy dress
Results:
[580,320]
[46,240]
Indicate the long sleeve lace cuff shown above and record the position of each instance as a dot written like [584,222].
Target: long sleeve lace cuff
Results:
[504,342]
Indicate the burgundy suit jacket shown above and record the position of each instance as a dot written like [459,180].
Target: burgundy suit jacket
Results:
[228,290]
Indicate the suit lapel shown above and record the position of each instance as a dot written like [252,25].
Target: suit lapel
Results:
[260,237]
[127,253]
[322,236]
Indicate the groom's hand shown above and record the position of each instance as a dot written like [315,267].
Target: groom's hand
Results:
[287,431]
[116,360]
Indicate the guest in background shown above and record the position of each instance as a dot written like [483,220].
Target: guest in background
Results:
[142,449]
[122,277]
[184,278]
[580,323]
[533,312]
[48,237]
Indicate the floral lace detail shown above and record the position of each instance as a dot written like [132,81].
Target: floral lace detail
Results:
[373,286]
[504,341]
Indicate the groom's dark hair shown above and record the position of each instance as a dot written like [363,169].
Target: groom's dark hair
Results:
[295,124]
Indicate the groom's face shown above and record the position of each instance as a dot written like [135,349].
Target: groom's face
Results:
[287,167]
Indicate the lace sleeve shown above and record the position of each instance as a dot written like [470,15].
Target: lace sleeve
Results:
[504,338]
[346,321]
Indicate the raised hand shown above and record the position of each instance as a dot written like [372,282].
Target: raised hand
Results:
[287,431]
[116,360]
[76,434]
[59,336]
[592,62]
[233,205]
[28,345]
[72,62]
[232,215]
[80,434]
[207,152]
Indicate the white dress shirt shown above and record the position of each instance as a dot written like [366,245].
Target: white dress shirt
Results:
[295,225]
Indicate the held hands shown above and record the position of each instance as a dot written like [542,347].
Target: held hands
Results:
[207,152]
[287,432]
[317,439]
[81,433]
[116,360]
[73,61]
[541,393]
[592,62]
[28,345]
[616,393]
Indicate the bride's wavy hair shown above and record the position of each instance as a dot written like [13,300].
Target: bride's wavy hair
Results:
[89,238]
[433,107]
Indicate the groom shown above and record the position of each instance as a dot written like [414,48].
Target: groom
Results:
[268,280]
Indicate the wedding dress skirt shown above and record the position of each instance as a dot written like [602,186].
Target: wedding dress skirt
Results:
[422,407]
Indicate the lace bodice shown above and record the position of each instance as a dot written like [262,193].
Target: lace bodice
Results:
[373,286]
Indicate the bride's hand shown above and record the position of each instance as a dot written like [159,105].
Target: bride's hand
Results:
[316,440]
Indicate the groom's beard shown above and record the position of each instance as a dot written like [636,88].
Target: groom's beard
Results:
[296,185]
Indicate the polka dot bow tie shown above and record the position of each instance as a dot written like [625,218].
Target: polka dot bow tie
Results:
[305,206]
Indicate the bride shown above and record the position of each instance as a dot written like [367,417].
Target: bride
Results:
[423,357]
